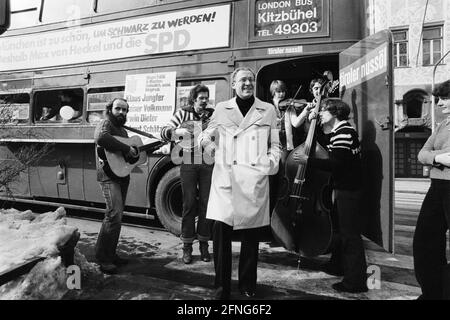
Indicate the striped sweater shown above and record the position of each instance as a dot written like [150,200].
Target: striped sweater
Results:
[344,157]
[178,118]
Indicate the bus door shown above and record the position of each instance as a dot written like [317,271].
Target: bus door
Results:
[366,84]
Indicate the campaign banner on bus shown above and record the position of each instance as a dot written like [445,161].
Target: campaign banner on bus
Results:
[201,28]
[151,98]
[275,19]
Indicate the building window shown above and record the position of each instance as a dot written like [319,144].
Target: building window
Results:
[400,48]
[432,45]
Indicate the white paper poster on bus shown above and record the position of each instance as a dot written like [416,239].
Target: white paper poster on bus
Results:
[151,98]
[200,28]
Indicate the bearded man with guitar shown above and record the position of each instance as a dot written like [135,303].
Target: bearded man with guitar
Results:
[194,171]
[114,188]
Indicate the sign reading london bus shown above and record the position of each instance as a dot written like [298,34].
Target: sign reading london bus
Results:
[201,28]
[275,19]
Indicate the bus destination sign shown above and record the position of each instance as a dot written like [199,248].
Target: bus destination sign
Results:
[275,19]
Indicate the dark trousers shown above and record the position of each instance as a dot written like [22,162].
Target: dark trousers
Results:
[115,194]
[195,202]
[429,243]
[348,249]
[248,259]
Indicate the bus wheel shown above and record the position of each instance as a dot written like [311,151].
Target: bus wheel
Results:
[169,201]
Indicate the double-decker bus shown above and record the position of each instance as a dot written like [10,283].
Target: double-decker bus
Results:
[83,53]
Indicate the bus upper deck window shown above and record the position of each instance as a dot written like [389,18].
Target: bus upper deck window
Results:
[14,108]
[60,106]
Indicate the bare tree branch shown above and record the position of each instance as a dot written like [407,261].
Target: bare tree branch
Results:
[20,157]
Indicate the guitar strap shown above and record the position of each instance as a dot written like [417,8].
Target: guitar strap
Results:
[145,134]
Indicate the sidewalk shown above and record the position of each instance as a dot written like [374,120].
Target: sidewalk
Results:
[412,185]
[156,272]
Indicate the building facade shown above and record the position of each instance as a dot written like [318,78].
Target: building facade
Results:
[421,31]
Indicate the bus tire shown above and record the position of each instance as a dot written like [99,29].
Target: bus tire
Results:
[169,201]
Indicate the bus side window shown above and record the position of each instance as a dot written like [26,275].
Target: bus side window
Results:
[97,98]
[25,13]
[218,88]
[62,106]
[14,108]
[65,10]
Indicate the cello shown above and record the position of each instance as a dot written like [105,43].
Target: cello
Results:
[301,219]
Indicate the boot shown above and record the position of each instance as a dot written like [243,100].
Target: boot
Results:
[187,253]
[204,254]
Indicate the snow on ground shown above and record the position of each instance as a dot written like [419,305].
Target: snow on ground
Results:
[27,235]
[47,280]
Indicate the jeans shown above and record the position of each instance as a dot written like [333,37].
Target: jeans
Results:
[429,243]
[191,176]
[248,258]
[115,194]
[348,249]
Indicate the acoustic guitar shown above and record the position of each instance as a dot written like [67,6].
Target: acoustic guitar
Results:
[195,127]
[121,166]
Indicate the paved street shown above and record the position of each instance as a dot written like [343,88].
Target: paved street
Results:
[157,272]
[409,195]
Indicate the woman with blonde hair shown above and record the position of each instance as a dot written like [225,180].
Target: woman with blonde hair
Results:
[287,117]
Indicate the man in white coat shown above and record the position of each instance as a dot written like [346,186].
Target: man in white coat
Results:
[243,132]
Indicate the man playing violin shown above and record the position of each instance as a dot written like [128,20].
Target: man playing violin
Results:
[194,171]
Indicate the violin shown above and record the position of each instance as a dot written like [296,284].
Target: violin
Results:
[298,104]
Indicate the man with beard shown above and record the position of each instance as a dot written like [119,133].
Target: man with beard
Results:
[193,171]
[244,130]
[114,188]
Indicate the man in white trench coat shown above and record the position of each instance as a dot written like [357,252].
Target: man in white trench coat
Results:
[243,132]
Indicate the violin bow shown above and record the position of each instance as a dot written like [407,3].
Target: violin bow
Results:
[298,91]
